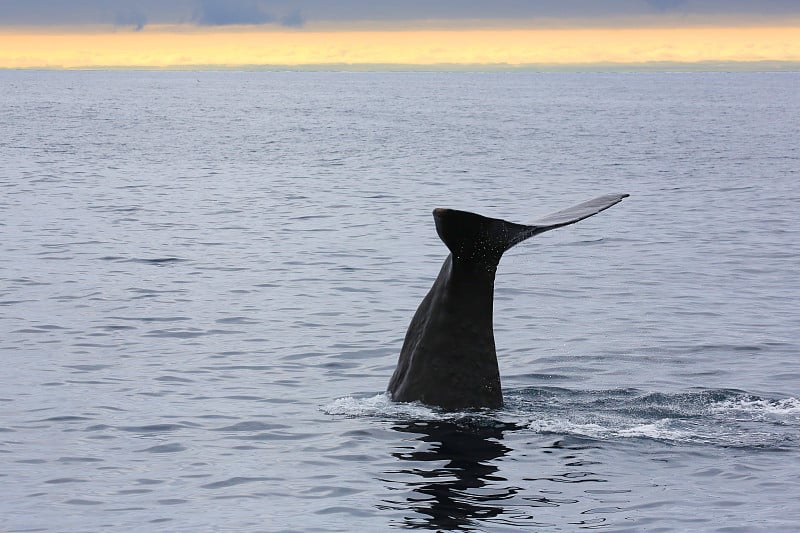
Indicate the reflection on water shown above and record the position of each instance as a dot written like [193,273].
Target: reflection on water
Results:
[460,475]
[453,477]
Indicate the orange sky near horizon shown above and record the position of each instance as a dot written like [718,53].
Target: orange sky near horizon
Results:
[187,46]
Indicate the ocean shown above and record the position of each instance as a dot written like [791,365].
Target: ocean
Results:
[206,277]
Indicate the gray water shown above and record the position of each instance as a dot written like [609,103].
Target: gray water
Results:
[205,279]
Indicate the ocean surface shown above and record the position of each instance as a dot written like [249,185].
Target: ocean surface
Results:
[205,280]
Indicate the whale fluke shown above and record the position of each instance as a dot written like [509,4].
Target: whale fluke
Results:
[448,358]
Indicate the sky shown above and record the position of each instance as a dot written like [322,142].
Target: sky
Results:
[230,33]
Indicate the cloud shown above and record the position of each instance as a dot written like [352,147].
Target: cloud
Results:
[666,5]
[135,13]
[294,19]
[295,13]
[229,12]
[221,13]
[139,13]
[137,19]
[376,10]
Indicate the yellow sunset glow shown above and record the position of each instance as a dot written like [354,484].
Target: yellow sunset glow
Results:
[158,47]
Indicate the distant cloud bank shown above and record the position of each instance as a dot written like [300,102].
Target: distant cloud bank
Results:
[296,13]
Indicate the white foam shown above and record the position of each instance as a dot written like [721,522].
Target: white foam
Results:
[786,406]
[724,428]
[569,428]
[659,429]
[379,405]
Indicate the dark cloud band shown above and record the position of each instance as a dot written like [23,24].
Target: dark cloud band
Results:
[294,13]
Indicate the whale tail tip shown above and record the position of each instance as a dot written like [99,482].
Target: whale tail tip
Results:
[474,237]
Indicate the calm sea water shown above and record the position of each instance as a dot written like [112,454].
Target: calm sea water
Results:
[205,279]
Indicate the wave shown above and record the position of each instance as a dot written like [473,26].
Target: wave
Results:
[716,417]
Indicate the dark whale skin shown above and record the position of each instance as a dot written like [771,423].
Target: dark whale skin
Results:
[448,359]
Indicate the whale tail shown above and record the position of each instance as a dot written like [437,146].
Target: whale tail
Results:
[476,238]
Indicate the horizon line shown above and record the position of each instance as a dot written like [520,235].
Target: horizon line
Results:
[586,67]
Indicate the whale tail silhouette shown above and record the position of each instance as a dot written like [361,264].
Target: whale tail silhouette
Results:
[476,238]
[448,358]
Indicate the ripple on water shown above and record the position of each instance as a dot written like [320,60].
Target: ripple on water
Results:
[179,301]
[234,481]
[152,428]
[164,448]
[252,425]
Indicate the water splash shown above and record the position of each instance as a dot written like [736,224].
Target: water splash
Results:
[716,417]
[756,405]
[380,406]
